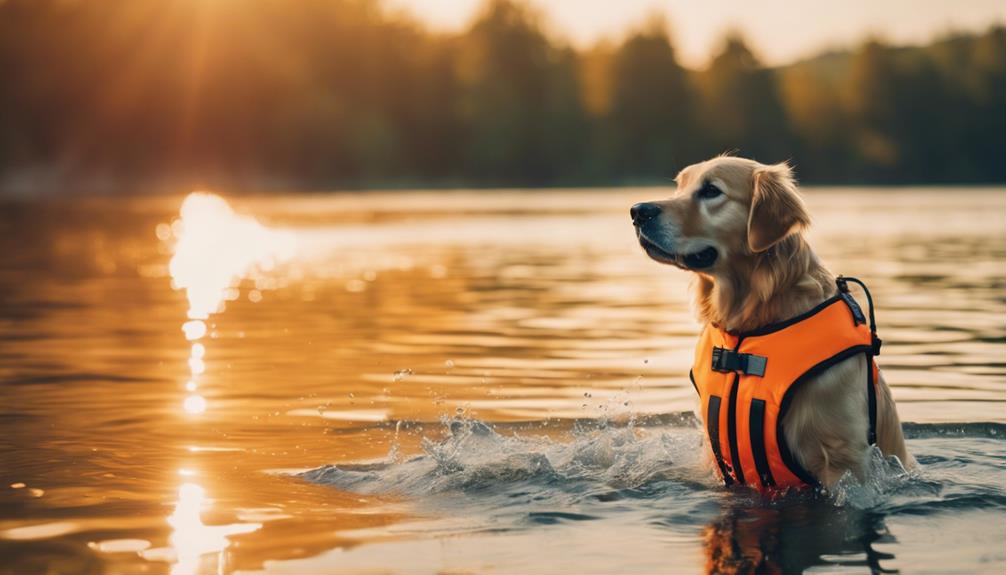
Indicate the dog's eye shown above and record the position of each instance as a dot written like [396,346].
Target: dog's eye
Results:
[708,192]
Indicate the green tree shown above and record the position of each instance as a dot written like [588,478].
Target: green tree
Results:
[819,121]
[743,108]
[652,120]
[521,99]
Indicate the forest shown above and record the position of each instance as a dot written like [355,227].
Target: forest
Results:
[143,95]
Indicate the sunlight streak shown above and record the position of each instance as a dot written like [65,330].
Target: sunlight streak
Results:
[214,250]
[191,539]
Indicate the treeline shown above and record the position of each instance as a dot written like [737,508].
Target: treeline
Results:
[337,93]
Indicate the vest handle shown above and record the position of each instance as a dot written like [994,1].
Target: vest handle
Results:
[843,287]
[871,392]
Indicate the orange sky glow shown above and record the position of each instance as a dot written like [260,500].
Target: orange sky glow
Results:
[781,30]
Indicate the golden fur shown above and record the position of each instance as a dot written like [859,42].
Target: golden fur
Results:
[766,272]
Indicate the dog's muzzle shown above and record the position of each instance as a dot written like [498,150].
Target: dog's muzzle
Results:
[643,216]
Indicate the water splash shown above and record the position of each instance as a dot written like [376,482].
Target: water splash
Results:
[884,476]
[652,458]
[473,456]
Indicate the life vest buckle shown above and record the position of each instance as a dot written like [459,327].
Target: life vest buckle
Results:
[726,361]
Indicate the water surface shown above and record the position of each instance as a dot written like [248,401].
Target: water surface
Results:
[457,382]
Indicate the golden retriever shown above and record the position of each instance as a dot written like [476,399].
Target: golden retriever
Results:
[738,226]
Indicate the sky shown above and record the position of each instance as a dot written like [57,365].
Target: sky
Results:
[781,31]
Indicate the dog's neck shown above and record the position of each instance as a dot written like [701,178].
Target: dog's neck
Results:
[764,288]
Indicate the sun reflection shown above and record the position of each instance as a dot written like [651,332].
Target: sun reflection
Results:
[191,539]
[194,329]
[214,249]
[194,404]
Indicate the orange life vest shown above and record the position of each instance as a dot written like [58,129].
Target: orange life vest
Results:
[746,381]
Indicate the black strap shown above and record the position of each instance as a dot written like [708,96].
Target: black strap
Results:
[735,454]
[871,391]
[871,401]
[843,288]
[713,430]
[757,429]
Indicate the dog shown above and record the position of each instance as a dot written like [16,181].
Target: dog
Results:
[738,226]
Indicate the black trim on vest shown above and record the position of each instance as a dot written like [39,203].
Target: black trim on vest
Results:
[871,391]
[774,327]
[735,456]
[713,431]
[787,398]
[691,377]
[757,431]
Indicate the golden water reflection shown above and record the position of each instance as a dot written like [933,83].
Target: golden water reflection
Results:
[192,540]
[510,306]
[214,250]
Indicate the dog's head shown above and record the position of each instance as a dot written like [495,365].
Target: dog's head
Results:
[724,211]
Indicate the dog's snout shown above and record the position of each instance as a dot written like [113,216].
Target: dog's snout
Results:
[644,212]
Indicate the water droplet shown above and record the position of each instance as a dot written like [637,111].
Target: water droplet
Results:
[449,364]
[163,232]
[401,374]
[17,485]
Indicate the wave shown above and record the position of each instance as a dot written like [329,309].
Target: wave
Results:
[975,430]
[474,456]
[688,420]
[661,461]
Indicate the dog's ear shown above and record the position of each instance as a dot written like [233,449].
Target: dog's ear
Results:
[776,208]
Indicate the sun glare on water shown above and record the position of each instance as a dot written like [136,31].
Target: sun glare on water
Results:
[194,546]
[214,249]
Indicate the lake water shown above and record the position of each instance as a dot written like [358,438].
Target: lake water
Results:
[460,382]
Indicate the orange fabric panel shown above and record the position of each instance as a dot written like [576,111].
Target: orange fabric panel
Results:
[791,351]
[712,383]
[797,348]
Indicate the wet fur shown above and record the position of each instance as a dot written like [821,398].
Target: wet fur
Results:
[766,273]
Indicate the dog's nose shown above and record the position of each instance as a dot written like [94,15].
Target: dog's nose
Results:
[644,212]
